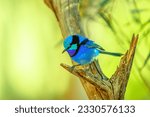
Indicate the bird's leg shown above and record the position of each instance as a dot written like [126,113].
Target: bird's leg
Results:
[72,68]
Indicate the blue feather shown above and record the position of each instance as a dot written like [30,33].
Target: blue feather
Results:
[82,50]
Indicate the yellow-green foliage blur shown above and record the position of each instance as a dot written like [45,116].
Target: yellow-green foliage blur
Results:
[31,47]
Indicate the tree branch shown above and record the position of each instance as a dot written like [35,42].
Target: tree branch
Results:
[95,83]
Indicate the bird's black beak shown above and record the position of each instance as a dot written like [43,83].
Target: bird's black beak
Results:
[64,51]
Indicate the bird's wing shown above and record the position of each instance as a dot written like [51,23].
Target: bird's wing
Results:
[92,44]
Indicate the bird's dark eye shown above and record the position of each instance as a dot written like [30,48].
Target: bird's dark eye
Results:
[75,39]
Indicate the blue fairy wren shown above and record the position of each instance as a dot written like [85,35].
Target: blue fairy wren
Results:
[83,50]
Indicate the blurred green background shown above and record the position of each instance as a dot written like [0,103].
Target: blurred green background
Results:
[31,46]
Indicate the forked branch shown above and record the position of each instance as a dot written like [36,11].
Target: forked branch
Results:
[95,83]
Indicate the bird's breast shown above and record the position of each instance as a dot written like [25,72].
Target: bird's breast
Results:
[85,55]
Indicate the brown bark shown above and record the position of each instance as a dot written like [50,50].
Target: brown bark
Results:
[95,83]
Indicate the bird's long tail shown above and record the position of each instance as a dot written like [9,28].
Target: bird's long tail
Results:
[111,53]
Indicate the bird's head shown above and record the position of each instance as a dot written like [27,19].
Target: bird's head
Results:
[71,43]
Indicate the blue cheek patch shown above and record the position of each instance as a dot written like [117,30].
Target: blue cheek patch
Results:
[71,52]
